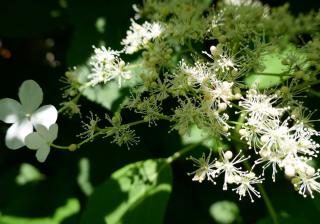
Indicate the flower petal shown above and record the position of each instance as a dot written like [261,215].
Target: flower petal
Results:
[10,110]
[30,95]
[45,115]
[53,132]
[42,153]
[17,132]
[43,132]
[34,141]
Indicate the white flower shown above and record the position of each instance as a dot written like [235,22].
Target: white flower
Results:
[242,2]
[306,182]
[139,35]
[302,136]
[205,168]
[260,106]
[106,65]
[222,91]
[41,140]
[250,134]
[227,166]
[245,181]
[25,115]
[273,159]
[225,64]
[198,73]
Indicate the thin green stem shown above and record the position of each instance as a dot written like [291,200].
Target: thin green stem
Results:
[313,92]
[75,100]
[306,84]
[236,105]
[100,131]
[59,146]
[273,74]
[182,151]
[268,204]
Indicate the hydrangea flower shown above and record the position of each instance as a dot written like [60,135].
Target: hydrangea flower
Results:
[25,115]
[107,65]
[139,35]
[41,140]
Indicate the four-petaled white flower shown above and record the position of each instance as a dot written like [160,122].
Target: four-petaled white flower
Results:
[25,115]
[41,140]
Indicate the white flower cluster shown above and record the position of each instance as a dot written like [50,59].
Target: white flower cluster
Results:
[218,93]
[280,142]
[242,2]
[106,65]
[25,117]
[139,35]
[210,170]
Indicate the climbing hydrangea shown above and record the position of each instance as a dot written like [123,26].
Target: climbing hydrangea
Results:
[235,72]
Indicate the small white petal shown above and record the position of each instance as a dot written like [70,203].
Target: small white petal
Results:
[43,132]
[17,132]
[45,115]
[53,132]
[34,141]
[30,95]
[10,110]
[42,153]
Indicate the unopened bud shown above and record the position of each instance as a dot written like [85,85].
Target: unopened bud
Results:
[72,147]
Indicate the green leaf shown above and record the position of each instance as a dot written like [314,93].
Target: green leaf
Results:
[104,95]
[272,62]
[137,193]
[19,220]
[72,207]
[28,173]
[84,176]
[110,95]
[224,211]
[62,213]
[195,135]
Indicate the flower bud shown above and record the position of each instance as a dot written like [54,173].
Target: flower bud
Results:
[228,155]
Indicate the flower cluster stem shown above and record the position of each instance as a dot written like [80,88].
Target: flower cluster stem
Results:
[263,192]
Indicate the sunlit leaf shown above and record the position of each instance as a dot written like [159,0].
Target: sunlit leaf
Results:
[28,173]
[110,95]
[72,207]
[84,176]
[19,220]
[195,135]
[273,65]
[137,193]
